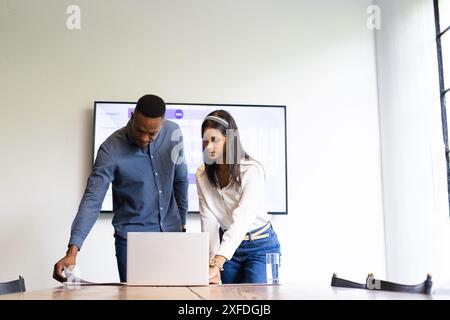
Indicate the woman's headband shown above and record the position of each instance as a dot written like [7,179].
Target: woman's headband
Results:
[218,120]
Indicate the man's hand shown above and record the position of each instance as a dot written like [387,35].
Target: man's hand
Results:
[68,261]
[214,275]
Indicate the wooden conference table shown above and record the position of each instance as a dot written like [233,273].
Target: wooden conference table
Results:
[217,292]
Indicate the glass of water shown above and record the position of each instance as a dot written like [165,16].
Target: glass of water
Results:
[273,268]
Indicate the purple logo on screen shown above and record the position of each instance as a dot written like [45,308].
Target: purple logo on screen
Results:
[179,114]
[130,110]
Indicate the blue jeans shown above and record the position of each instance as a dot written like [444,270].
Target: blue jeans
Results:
[248,264]
[121,256]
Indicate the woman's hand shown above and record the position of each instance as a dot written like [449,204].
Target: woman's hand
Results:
[214,275]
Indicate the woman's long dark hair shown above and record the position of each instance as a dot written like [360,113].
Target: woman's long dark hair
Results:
[233,150]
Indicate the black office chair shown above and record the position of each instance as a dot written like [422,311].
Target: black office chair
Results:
[374,284]
[338,282]
[13,286]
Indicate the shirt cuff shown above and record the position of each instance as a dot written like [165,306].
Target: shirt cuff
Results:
[225,251]
[76,240]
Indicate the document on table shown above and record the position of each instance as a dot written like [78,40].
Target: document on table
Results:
[73,277]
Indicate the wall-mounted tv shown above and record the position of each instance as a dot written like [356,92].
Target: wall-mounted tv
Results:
[263,135]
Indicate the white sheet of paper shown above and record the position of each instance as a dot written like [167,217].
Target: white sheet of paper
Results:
[74,279]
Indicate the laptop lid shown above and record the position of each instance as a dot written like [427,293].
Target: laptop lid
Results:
[167,259]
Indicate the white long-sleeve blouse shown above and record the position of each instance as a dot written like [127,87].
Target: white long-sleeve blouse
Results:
[237,210]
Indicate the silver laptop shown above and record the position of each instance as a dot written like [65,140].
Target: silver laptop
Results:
[167,259]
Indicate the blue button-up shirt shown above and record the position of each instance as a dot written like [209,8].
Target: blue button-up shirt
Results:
[150,185]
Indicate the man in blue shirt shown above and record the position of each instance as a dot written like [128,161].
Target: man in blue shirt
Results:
[145,163]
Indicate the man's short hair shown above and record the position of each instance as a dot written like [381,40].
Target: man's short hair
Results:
[151,106]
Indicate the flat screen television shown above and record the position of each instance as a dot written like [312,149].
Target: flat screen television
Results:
[263,135]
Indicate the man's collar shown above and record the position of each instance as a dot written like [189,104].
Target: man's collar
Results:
[129,133]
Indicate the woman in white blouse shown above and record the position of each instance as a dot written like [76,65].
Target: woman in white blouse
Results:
[231,193]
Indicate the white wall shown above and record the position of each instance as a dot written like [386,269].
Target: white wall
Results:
[317,57]
[413,159]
